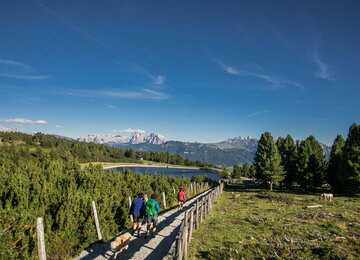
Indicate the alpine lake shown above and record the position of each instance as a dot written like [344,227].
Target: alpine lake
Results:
[186,172]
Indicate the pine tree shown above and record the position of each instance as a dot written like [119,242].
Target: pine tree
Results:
[311,166]
[352,160]
[245,169]
[267,161]
[288,151]
[335,176]
[236,173]
[224,172]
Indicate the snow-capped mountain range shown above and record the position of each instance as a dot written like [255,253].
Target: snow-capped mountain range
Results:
[136,138]
[4,129]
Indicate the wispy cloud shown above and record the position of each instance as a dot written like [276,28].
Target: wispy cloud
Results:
[110,106]
[71,25]
[323,71]
[139,94]
[23,121]
[157,79]
[16,76]
[129,130]
[59,126]
[275,83]
[16,64]
[18,70]
[258,113]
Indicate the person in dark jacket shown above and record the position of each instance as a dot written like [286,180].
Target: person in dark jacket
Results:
[137,210]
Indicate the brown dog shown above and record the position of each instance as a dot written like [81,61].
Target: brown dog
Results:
[235,195]
[120,243]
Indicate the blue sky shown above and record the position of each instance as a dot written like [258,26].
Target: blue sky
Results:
[190,70]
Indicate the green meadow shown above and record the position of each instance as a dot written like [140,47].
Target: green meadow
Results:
[277,225]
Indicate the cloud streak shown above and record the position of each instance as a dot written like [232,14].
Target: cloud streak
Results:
[139,94]
[276,83]
[16,64]
[16,76]
[258,113]
[323,71]
[23,121]
[157,80]
[22,71]
[71,25]
[129,130]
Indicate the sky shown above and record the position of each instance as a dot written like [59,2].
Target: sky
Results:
[194,70]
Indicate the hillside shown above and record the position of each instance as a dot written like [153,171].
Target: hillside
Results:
[238,150]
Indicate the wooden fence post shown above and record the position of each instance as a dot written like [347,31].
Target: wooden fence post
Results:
[164,199]
[201,210]
[197,214]
[178,250]
[131,216]
[40,239]
[174,190]
[191,224]
[185,232]
[191,188]
[96,221]
[205,207]
[195,190]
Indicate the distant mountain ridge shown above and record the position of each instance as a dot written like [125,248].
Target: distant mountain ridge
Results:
[12,130]
[229,152]
[136,138]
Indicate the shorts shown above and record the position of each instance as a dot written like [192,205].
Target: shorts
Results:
[152,219]
[138,218]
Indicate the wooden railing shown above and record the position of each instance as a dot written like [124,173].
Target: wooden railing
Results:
[192,219]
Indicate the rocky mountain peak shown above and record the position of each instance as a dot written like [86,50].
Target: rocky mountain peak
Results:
[4,129]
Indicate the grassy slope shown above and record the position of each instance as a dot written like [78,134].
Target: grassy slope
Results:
[272,226]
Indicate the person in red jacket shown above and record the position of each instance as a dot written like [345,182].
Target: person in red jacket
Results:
[181,198]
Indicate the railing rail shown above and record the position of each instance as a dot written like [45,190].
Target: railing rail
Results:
[192,219]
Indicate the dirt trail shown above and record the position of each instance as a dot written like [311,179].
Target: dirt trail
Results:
[141,248]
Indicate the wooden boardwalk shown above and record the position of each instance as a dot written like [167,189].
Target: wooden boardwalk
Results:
[150,248]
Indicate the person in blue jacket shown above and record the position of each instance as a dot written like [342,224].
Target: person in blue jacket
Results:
[137,210]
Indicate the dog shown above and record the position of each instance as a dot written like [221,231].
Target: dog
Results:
[325,196]
[120,243]
[235,195]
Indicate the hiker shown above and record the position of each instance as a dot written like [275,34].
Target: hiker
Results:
[137,210]
[181,198]
[151,210]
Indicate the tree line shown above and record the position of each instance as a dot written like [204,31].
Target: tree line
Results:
[20,145]
[285,163]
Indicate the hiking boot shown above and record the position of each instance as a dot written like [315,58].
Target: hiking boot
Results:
[153,236]
[146,235]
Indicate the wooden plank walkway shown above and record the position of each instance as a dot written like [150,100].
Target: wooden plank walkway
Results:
[150,248]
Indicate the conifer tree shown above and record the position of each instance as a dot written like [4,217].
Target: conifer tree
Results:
[245,169]
[236,173]
[267,161]
[288,152]
[310,163]
[352,160]
[335,176]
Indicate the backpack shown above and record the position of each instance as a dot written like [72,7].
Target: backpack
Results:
[150,208]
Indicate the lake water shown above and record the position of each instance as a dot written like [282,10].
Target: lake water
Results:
[188,173]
